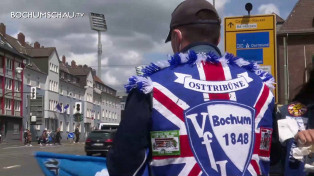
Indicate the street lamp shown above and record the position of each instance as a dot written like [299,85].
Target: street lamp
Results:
[19,70]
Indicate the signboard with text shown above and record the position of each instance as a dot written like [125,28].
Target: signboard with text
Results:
[253,38]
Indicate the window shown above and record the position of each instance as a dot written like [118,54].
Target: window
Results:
[62,108]
[7,104]
[8,84]
[17,105]
[52,105]
[98,115]
[62,75]
[61,126]
[68,109]
[103,113]
[17,86]
[68,126]
[9,64]
[73,126]
[18,64]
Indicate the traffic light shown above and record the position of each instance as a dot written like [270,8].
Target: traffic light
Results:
[78,107]
[33,92]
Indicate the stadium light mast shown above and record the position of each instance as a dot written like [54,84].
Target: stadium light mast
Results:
[98,23]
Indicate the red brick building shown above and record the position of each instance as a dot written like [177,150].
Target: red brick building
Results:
[298,34]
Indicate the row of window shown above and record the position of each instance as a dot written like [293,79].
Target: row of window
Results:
[9,63]
[68,77]
[52,105]
[103,88]
[53,86]
[9,84]
[8,104]
[53,67]
[28,81]
[109,115]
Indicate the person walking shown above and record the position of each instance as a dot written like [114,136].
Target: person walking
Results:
[77,134]
[25,135]
[44,138]
[205,113]
[58,137]
[29,138]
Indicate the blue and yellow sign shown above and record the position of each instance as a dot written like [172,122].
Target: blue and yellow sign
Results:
[253,38]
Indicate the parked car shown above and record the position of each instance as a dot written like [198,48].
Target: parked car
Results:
[99,141]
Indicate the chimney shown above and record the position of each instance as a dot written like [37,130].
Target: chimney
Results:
[21,38]
[63,59]
[94,72]
[73,64]
[2,29]
[36,45]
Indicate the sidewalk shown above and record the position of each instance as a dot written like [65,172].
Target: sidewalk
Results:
[14,143]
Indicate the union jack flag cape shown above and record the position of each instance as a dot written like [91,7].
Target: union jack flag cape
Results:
[222,109]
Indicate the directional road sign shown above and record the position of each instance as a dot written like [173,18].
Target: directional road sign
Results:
[253,38]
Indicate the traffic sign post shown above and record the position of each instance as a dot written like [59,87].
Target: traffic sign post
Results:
[253,38]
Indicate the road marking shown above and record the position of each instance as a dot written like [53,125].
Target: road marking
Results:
[15,147]
[10,167]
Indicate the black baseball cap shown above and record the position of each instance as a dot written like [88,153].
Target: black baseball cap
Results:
[186,14]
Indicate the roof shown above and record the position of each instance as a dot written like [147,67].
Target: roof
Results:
[300,20]
[78,71]
[63,67]
[4,44]
[279,20]
[34,67]
[40,52]
[16,44]
[97,79]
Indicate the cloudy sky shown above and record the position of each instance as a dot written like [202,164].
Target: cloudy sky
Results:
[136,29]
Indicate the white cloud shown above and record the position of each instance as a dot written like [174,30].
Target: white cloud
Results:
[220,4]
[268,9]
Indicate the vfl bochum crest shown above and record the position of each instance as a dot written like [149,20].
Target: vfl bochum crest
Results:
[223,127]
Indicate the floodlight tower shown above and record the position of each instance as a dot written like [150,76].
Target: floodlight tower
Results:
[98,23]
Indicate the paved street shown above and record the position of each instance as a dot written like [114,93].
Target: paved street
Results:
[18,160]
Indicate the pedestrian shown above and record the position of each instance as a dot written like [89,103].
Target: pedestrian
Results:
[77,134]
[299,111]
[25,137]
[29,138]
[205,113]
[58,136]
[44,138]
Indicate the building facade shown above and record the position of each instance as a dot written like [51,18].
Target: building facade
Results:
[59,88]
[11,90]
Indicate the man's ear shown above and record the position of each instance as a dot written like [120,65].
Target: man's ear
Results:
[176,40]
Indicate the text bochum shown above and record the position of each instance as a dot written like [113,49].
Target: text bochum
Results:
[217,121]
